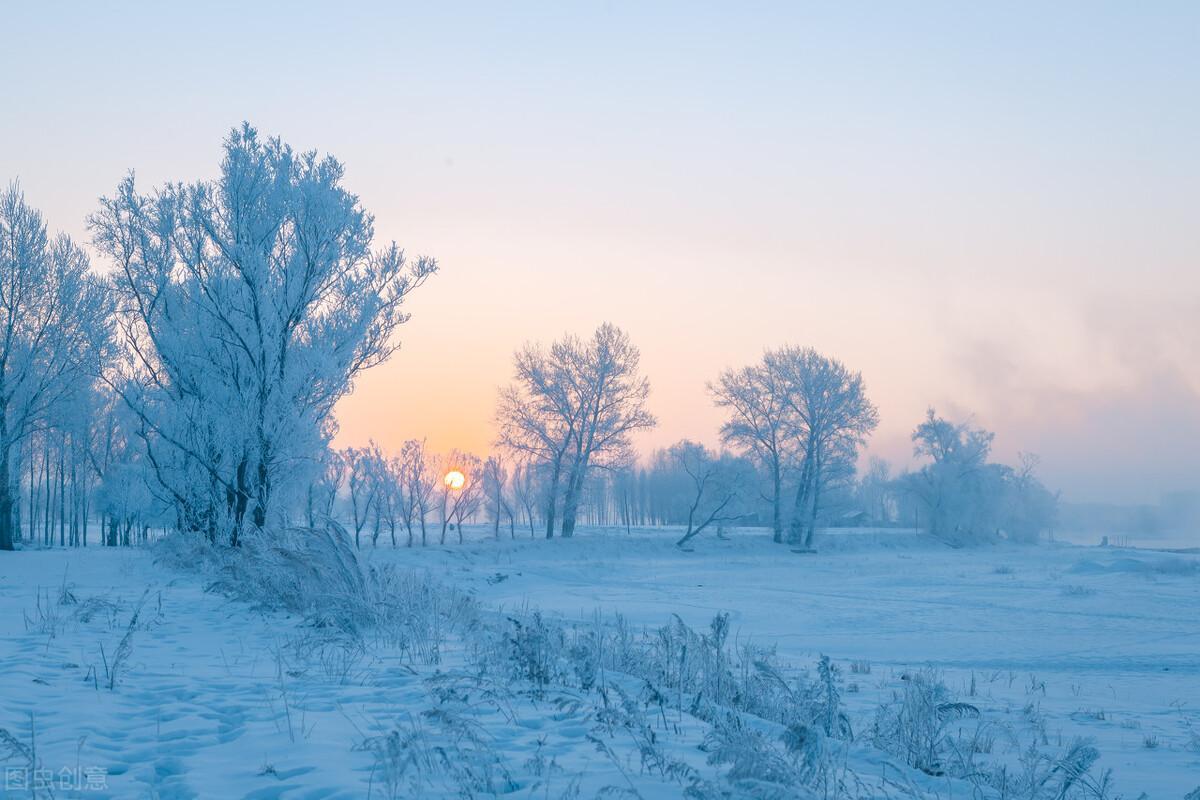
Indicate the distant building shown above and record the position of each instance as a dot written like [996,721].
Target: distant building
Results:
[854,519]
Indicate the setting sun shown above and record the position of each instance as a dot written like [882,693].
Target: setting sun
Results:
[454,479]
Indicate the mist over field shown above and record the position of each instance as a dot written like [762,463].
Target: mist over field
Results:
[593,401]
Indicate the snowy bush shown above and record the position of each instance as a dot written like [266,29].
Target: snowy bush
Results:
[1047,776]
[441,752]
[315,573]
[681,671]
[916,724]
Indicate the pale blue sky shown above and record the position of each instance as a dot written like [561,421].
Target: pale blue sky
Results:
[987,207]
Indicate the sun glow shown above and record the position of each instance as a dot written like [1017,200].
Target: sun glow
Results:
[455,479]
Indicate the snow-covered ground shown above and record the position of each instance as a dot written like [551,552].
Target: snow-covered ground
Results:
[1069,641]
[215,699]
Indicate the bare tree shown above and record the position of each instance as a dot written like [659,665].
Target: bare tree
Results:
[388,495]
[537,419]
[460,499]
[417,481]
[758,424]
[54,330]
[495,487]
[717,486]
[323,491]
[574,407]
[1033,509]
[829,418]
[362,485]
[525,490]
[612,395]
[874,490]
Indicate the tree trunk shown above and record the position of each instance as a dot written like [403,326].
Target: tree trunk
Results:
[777,502]
[812,521]
[796,524]
[552,500]
[48,523]
[570,504]
[62,497]
[6,497]
[574,490]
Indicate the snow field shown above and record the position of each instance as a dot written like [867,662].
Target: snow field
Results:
[215,698]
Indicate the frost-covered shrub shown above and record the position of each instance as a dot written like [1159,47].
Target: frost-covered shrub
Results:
[916,724]
[535,651]
[753,759]
[1047,776]
[797,763]
[440,753]
[315,573]
[680,670]
[699,673]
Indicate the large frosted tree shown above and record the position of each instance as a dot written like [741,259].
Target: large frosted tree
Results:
[53,331]
[248,306]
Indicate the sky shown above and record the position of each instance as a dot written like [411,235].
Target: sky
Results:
[985,208]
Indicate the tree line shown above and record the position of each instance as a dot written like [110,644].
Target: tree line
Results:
[191,387]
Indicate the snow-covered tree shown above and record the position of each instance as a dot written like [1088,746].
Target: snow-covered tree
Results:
[611,394]
[573,408]
[459,500]
[802,416]
[525,492]
[54,330]
[874,491]
[715,488]
[126,494]
[829,418]
[537,419]
[759,424]
[1033,509]
[418,481]
[963,496]
[955,485]
[495,489]
[388,496]
[324,487]
[248,306]
[362,484]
